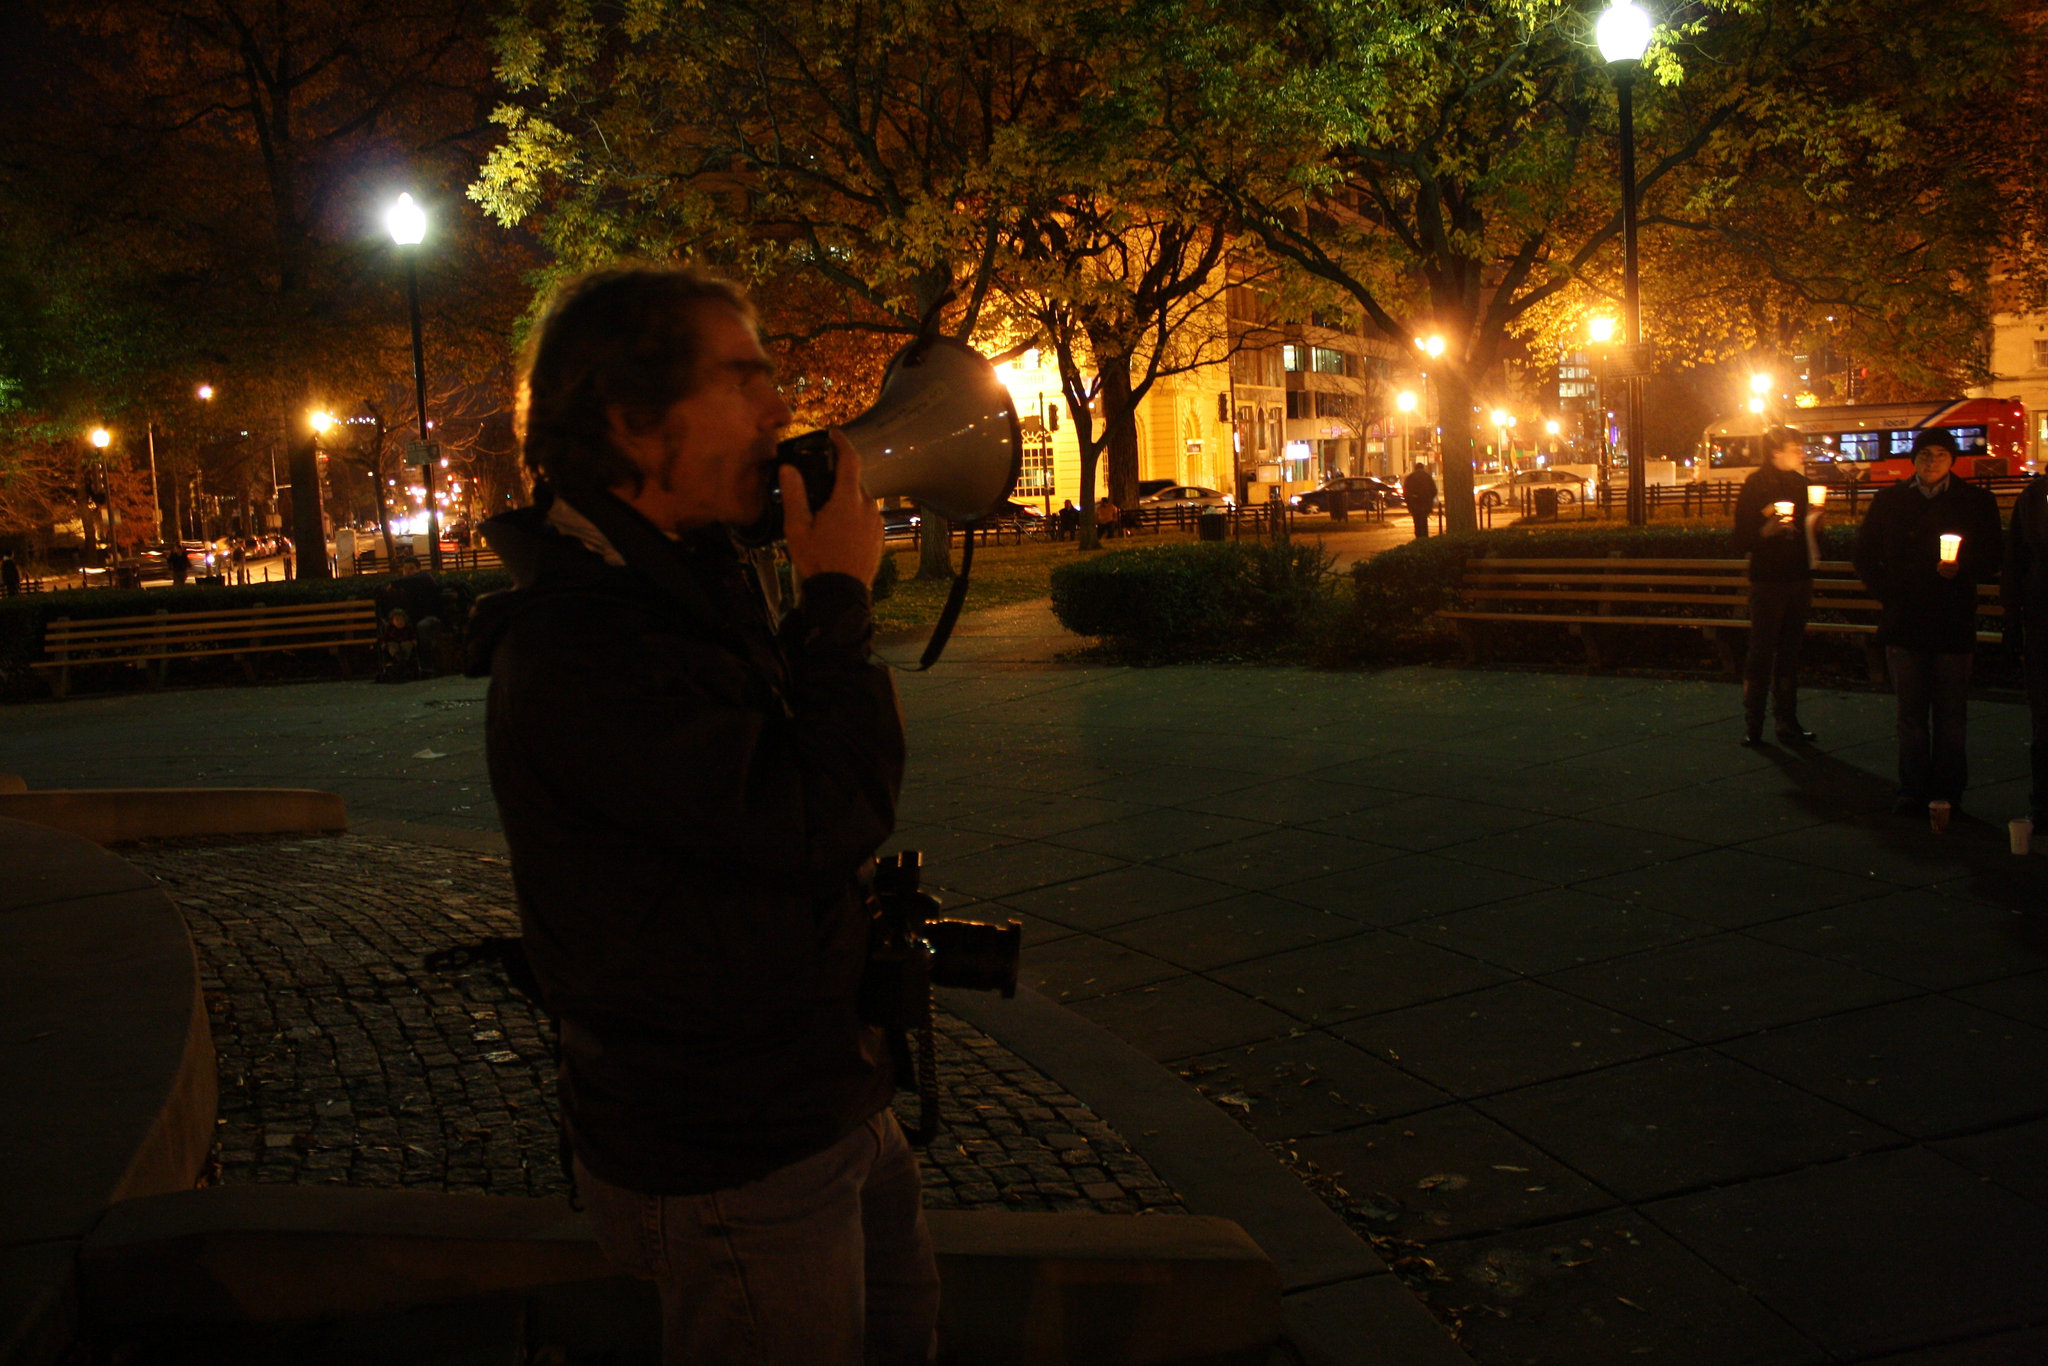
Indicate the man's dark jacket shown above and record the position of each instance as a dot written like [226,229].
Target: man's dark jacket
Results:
[2024,587]
[1780,558]
[1418,488]
[689,796]
[1898,557]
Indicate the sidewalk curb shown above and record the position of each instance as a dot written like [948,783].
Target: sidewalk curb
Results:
[1340,1303]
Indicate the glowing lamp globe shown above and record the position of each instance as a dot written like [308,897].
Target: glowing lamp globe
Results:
[100,437]
[1623,32]
[1759,384]
[1405,401]
[406,222]
[1500,417]
[321,419]
[1601,329]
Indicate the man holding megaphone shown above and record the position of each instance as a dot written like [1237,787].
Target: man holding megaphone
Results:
[691,788]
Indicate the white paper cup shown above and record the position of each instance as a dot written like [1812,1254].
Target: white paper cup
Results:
[2022,831]
[1784,511]
[1951,546]
[1937,816]
[1816,495]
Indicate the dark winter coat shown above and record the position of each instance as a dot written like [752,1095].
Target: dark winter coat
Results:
[689,796]
[1773,559]
[2024,586]
[1418,489]
[1898,557]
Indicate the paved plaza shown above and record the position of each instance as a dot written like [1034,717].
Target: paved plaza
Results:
[1620,1041]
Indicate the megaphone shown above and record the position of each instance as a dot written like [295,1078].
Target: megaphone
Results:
[942,433]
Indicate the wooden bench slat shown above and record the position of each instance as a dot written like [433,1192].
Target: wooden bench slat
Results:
[221,631]
[201,654]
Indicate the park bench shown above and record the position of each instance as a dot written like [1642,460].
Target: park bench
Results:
[156,639]
[1593,598]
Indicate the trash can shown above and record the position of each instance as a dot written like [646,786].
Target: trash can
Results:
[1546,504]
[1211,526]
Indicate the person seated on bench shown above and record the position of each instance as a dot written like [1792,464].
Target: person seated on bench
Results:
[1773,524]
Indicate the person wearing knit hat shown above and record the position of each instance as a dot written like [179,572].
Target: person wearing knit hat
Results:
[1923,548]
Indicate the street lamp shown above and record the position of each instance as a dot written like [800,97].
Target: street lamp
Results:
[1623,33]
[407,224]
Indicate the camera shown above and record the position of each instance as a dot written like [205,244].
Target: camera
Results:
[913,947]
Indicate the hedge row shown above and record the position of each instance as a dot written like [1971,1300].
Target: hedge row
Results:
[22,619]
[1227,600]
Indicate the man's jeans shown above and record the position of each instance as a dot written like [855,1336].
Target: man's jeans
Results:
[826,1262]
[1934,695]
[1777,625]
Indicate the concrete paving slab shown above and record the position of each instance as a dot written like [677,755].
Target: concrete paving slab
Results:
[1422,822]
[1308,1085]
[1372,1321]
[1294,800]
[1928,940]
[1891,849]
[1273,857]
[1504,1037]
[1244,926]
[1608,1290]
[1012,869]
[1568,851]
[1080,966]
[1732,888]
[1549,931]
[1130,892]
[1929,1067]
[1650,1129]
[1726,986]
[1452,1173]
[1158,834]
[1375,972]
[1724,812]
[2019,998]
[1880,1253]
[1402,890]
[2010,1156]
[43,867]
[1184,1016]
[2027,1347]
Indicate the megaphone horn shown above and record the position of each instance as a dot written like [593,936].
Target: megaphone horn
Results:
[942,433]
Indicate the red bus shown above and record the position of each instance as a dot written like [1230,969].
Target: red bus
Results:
[1873,442]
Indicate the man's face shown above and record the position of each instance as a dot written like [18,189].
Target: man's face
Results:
[710,459]
[1790,456]
[1931,464]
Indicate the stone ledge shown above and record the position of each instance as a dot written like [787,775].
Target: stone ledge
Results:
[105,1058]
[1036,1288]
[115,815]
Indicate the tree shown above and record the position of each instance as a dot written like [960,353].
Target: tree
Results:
[835,158]
[233,156]
[1450,166]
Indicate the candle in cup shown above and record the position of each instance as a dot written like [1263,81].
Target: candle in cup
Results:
[1783,510]
[1816,494]
[1951,546]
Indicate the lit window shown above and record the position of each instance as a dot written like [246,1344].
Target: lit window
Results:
[1328,362]
[1290,359]
[2041,353]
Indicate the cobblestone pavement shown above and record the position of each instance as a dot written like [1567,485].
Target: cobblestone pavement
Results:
[343,1061]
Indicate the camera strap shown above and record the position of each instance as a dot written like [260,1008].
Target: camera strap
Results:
[956,596]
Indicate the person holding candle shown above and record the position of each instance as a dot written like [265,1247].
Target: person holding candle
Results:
[1774,525]
[1923,548]
[2023,592]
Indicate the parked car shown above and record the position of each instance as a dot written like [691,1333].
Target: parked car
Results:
[1176,496]
[1148,487]
[900,523]
[1359,491]
[1494,490]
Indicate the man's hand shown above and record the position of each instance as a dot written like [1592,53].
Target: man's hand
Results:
[1950,569]
[842,537]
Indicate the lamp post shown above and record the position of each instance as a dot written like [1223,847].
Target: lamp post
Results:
[1405,401]
[407,223]
[1623,33]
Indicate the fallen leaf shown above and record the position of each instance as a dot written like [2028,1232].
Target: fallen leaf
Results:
[1504,1167]
[1449,1181]
[430,754]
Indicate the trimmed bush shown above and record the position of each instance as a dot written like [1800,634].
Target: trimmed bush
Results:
[1227,600]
